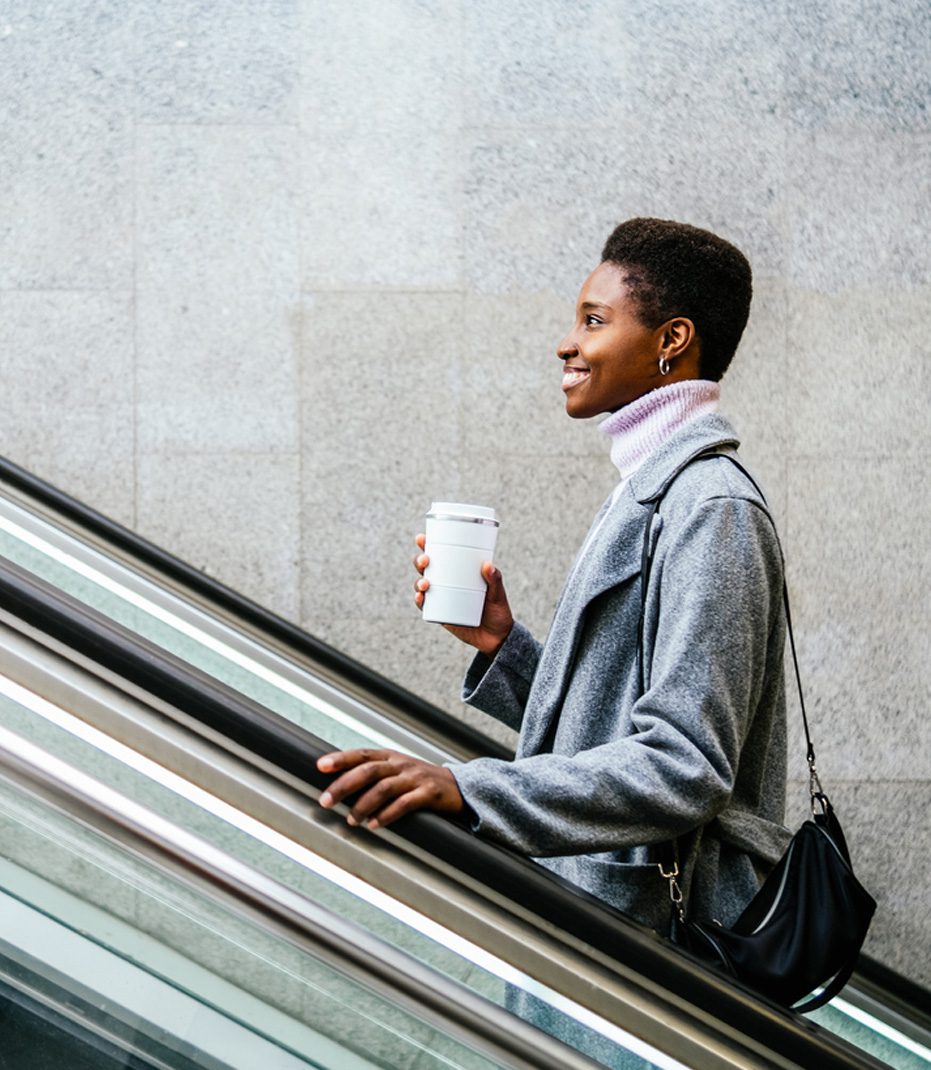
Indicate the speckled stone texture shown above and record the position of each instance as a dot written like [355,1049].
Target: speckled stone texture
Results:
[272,282]
[201,353]
[860,577]
[216,208]
[856,63]
[66,404]
[67,194]
[400,226]
[857,209]
[194,66]
[232,514]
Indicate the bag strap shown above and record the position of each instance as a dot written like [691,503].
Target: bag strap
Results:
[668,853]
[646,562]
[833,987]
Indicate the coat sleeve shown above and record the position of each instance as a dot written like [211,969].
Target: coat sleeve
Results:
[719,589]
[500,686]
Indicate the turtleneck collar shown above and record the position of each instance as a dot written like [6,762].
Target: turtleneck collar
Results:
[645,424]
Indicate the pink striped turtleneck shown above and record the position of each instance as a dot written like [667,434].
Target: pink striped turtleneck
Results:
[644,425]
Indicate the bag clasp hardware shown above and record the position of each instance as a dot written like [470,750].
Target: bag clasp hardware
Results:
[815,790]
[675,892]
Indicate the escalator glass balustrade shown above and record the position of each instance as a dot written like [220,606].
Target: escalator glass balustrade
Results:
[180,627]
[54,868]
[173,975]
[263,674]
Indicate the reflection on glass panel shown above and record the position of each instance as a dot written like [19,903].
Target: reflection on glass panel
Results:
[124,598]
[174,965]
[320,881]
[51,1021]
[872,1035]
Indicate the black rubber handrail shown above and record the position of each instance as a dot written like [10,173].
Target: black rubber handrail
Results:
[913,1000]
[295,751]
[299,641]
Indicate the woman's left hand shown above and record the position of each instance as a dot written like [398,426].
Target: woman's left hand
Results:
[396,784]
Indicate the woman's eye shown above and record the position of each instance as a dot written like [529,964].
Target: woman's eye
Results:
[590,319]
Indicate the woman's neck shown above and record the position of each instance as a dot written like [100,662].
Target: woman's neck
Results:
[645,424]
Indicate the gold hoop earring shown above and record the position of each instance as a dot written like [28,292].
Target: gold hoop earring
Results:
[663,365]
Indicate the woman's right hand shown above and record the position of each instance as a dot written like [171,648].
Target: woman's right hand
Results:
[496,623]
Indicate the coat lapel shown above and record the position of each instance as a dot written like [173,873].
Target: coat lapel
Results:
[612,558]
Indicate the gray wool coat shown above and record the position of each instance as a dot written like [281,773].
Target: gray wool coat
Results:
[603,774]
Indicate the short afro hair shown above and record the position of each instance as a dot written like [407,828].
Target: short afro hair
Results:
[673,269]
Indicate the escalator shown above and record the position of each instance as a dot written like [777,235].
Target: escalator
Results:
[159,735]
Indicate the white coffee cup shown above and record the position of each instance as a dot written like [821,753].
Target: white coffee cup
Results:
[459,538]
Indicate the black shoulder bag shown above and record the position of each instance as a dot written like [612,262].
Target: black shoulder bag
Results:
[804,928]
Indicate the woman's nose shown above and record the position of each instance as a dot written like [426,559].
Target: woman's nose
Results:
[567,348]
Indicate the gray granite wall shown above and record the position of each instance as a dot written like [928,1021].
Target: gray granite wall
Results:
[271,281]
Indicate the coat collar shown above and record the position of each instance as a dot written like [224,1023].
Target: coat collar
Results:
[615,554]
[656,473]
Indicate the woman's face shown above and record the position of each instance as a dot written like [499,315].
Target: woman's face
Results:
[611,359]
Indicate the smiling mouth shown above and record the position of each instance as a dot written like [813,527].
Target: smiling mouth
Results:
[573,376]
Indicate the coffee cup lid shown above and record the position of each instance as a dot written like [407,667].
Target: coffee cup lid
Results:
[478,514]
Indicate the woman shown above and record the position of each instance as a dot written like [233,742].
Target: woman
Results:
[607,778]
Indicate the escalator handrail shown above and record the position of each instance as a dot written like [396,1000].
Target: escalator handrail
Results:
[294,750]
[257,617]
[336,940]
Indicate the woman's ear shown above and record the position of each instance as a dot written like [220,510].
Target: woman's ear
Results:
[678,335]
